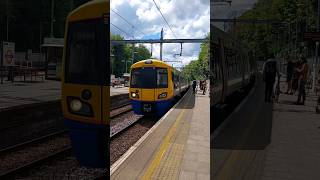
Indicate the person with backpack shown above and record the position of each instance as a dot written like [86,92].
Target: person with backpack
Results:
[270,70]
[194,86]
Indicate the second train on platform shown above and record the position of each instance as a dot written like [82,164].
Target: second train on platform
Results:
[154,86]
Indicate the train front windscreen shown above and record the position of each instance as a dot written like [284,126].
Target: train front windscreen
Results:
[85,60]
[149,78]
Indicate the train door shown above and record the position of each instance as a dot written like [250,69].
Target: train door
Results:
[163,87]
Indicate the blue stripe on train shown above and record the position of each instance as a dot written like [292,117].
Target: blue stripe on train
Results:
[90,143]
[160,107]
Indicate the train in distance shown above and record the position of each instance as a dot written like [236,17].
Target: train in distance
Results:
[154,87]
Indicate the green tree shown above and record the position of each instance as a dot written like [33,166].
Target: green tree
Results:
[29,19]
[295,16]
[122,56]
[199,69]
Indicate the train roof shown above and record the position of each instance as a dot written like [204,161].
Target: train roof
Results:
[90,10]
[150,62]
[228,40]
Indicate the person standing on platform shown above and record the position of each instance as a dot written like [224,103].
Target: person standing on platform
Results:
[295,77]
[303,71]
[269,70]
[204,86]
[290,68]
[194,86]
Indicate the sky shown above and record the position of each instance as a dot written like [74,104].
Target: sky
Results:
[187,19]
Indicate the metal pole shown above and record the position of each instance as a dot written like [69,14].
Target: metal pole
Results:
[314,67]
[161,38]
[318,20]
[7,12]
[306,15]
[132,55]
[315,63]
[1,58]
[296,44]
[52,16]
[126,61]
[40,41]
[289,38]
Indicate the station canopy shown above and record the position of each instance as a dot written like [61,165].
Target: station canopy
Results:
[53,42]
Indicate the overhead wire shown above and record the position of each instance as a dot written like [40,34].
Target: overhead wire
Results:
[128,34]
[164,18]
[134,27]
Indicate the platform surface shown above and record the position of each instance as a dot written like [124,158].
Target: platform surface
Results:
[269,141]
[21,93]
[118,90]
[176,148]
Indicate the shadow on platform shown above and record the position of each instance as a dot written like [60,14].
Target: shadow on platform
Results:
[187,104]
[250,127]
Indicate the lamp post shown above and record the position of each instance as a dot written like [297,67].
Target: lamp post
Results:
[124,61]
[315,62]
[112,62]
[133,54]
[7,21]
[52,18]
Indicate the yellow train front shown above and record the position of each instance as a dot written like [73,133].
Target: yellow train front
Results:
[154,86]
[85,82]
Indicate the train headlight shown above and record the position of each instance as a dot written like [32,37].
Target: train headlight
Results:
[134,94]
[75,105]
[79,107]
[162,95]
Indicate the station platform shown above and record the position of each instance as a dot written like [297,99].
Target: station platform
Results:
[176,147]
[268,141]
[118,90]
[22,93]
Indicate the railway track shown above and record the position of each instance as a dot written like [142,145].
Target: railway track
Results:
[30,164]
[121,127]
[30,142]
[20,158]
[119,110]
[125,137]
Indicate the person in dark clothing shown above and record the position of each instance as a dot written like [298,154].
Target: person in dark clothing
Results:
[194,86]
[290,68]
[270,70]
[295,77]
[303,77]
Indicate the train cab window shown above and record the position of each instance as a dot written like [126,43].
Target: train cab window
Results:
[149,77]
[84,59]
[162,78]
[143,78]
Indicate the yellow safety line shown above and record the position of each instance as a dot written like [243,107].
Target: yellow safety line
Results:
[163,148]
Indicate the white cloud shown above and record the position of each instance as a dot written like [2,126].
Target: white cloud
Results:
[187,18]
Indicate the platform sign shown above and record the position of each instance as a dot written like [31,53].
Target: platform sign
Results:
[8,53]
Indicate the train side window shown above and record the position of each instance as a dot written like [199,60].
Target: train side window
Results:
[162,78]
[173,77]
